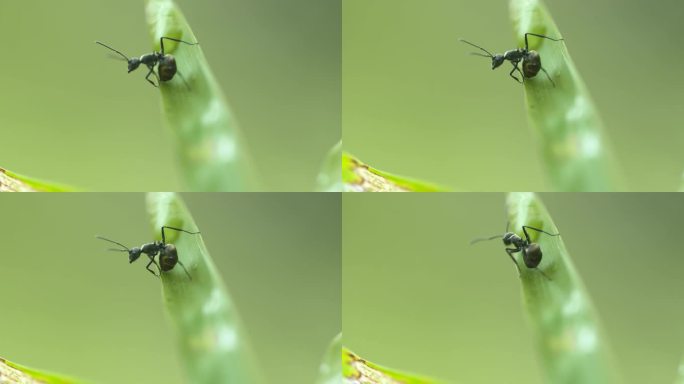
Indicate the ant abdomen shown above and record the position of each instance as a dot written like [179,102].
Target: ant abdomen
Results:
[533,255]
[168,257]
[531,64]
[167,67]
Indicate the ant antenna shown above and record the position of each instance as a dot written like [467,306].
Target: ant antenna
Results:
[126,249]
[122,55]
[489,54]
[486,239]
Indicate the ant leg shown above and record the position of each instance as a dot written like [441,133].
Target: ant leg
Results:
[542,272]
[510,252]
[152,72]
[548,77]
[186,271]
[175,229]
[161,42]
[542,36]
[515,67]
[150,269]
[525,227]
[183,78]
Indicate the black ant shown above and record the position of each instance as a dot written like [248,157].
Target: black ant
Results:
[532,253]
[168,255]
[167,63]
[531,62]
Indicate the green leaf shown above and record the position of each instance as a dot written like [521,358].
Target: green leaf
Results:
[330,371]
[330,177]
[12,182]
[210,337]
[569,130]
[213,155]
[680,373]
[360,177]
[358,370]
[12,373]
[568,335]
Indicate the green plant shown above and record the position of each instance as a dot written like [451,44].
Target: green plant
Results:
[569,130]
[330,370]
[205,323]
[208,330]
[212,153]
[12,182]
[13,373]
[360,177]
[330,177]
[358,370]
[680,373]
[567,329]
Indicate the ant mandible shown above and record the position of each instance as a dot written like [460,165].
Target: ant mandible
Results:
[167,63]
[532,253]
[531,61]
[168,255]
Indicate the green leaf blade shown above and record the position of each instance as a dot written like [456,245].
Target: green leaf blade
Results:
[358,370]
[360,177]
[213,155]
[330,177]
[210,335]
[680,373]
[569,339]
[12,373]
[13,182]
[564,118]
[330,371]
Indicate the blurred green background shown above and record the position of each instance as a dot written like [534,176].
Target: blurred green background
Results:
[415,103]
[72,114]
[417,297]
[70,306]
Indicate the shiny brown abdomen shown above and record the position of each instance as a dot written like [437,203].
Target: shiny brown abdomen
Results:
[167,67]
[531,64]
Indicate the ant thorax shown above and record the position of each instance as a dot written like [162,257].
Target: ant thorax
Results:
[514,54]
[150,59]
[152,248]
[511,238]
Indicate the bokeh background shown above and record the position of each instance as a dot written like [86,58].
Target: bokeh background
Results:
[71,114]
[415,103]
[70,306]
[417,297]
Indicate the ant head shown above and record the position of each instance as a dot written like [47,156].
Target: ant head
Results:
[133,254]
[133,64]
[508,238]
[497,60]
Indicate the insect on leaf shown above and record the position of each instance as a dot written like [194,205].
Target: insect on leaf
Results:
[212,153]
[570,133]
